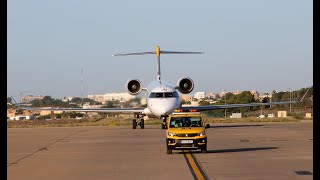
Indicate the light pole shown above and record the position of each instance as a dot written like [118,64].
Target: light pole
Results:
[225,102]
[290,100]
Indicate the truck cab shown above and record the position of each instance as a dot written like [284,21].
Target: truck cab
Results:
[186,131]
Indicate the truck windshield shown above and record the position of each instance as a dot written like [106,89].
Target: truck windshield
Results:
[185,122]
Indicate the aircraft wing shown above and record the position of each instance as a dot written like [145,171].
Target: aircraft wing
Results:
[105,110]
[228,106]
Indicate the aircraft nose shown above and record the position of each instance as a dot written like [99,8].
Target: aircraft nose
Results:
[165,110]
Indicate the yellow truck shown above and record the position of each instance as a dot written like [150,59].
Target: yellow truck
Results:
[186,131]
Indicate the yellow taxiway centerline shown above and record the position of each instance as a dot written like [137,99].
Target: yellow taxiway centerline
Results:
[194,167]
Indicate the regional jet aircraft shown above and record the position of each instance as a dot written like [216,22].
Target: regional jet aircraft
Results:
[162,98]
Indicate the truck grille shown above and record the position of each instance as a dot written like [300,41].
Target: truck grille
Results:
[187,135]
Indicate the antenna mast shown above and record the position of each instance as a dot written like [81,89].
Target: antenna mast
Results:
[82,86]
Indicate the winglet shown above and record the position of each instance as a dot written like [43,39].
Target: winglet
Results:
[304,95]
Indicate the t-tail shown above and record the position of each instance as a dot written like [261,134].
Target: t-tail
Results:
[157,53]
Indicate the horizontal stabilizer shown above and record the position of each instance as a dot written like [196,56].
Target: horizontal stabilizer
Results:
[157,52]
[141,53]
[178,52]
[160,52]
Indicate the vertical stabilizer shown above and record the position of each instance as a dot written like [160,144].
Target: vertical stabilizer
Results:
[158,63]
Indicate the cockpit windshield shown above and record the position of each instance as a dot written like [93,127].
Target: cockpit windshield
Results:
[185,122]
[163,95]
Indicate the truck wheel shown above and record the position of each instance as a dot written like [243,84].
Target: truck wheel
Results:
[142,123]
[134,124]
[169,151]
[204,149]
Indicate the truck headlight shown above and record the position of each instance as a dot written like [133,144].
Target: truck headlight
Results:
[202,133]
[171,133]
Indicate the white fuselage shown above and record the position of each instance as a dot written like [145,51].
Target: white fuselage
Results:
[162,99]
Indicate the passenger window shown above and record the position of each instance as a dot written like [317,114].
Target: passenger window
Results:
[175,94]
[151,95]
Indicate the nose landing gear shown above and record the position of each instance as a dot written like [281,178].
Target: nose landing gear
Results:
[164,122]
[135,123]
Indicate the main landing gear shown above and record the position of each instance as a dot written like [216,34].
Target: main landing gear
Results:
[164,122]
[135,123]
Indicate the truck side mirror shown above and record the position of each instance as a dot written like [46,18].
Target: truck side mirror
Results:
[207,126]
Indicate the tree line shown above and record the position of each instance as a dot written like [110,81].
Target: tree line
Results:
[246,97]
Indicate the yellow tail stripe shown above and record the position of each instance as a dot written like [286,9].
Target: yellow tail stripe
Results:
[158,50]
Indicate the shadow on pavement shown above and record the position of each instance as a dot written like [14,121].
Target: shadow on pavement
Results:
[241,149]
[231,126]
[228,150]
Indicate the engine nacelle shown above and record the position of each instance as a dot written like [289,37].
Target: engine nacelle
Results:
[134,87]
[185,85]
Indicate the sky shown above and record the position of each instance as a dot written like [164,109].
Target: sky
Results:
[64,48]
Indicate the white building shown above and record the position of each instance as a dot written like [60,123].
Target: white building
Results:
[21,117]
[265,95]
[211,95]
[66,99]
[199,95]
[29,98]
[111,97]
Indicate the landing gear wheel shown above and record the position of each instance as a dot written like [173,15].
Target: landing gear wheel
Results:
[134,124]
[142,123]
[169,151]
[164,123]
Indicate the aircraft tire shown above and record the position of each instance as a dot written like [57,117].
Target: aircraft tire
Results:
[134,124]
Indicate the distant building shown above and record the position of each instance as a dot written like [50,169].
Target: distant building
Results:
[44,113]
[282,113]
[98,98]
[199,95]
[66,99]
[255,94]
[308,115]
[185,97]
[22,118]
[14,113]
[222,94]
[236,115]
[212,95]
[122,97]
[236,92]
[265,95]
[29,98]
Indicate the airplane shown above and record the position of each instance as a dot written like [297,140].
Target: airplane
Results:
[162,98]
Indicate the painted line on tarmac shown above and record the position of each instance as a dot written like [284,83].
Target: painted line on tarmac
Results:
[194,166]
[44,148]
